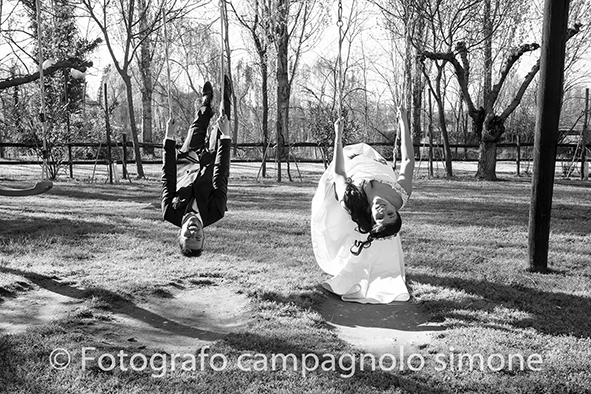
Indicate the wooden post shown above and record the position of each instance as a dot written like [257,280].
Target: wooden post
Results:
[430,136]
[124,163]
[584,136]
[108,127]
[546,131]
[518,155]
[70,160]
[67,100]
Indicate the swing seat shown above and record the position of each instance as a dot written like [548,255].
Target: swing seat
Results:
[39,188]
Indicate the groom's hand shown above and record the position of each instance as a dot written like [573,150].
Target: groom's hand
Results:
[224,126]
[170,129]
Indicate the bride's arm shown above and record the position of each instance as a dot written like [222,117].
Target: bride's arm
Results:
[407,164]
[340,174]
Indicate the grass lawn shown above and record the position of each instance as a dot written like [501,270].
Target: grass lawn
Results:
[465,245]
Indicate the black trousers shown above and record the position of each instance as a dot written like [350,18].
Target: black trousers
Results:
[199,128]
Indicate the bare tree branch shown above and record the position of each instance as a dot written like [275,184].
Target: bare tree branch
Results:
[460,73]
[511,59]
[77,64]
[530,77]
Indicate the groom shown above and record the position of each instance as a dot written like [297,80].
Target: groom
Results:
[195,182]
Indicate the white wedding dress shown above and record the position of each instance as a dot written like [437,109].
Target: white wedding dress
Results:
[377,275]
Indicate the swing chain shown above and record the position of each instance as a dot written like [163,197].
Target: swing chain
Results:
[223,34]
[340,15]
[340,59]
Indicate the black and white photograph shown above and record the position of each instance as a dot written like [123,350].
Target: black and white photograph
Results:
[295,196]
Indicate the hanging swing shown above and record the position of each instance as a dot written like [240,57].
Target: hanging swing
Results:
[39,188]
[45,184]
[223,38]
[340,60]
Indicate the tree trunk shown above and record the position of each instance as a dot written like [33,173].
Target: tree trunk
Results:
[147,120]
[487,157]
[265,105]
[417,103]
[282,110]
[147,87]
[488,59]
[487,161]
[441,112]
[133,126]
[444,134]
[417,91]
[282,83]
[464,124]
[18,124]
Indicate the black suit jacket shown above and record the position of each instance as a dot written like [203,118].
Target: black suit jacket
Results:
[210,188]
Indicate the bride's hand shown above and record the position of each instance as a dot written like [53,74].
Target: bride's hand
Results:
[402,114]
[338,129]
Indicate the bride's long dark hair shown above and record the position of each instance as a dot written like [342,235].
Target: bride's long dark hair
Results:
[355,201]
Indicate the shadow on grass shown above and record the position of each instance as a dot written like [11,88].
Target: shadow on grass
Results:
[35,230]
[266,198]
[402,316]
[20,224]
[459,202]
[574,183]
[571,219]
[144,192]
[12,290]
[552,313]
[23,233]
[117,303]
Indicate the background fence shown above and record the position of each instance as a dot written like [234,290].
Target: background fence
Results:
[98,153]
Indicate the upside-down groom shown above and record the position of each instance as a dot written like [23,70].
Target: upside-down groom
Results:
[195,181]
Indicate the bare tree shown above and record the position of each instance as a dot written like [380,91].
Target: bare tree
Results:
[296,25]
[425,24]
[123,14]
[288,27]
[405,27]
[281,39]
[145,60]
[19,52]
[127,16]
[488,123]
[59,47]
[256,18]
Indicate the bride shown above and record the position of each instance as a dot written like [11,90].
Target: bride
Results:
[355,220]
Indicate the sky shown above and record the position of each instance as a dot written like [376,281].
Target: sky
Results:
[327,45]
[372,39]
